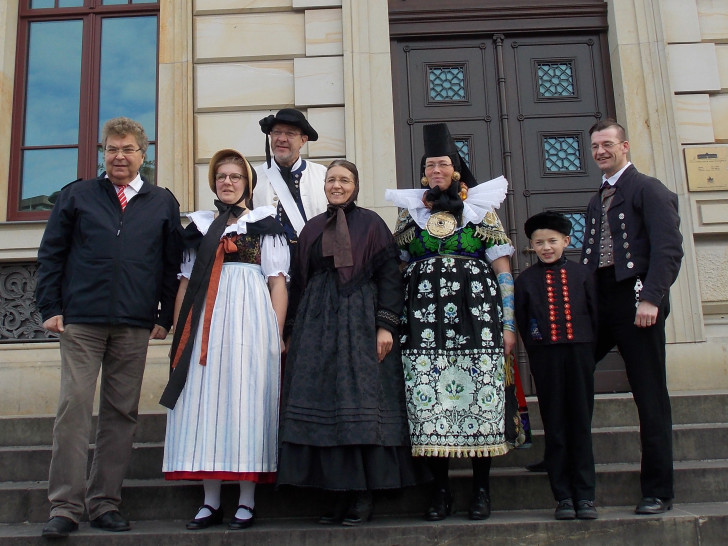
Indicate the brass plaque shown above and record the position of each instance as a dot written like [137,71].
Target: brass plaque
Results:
[707,168]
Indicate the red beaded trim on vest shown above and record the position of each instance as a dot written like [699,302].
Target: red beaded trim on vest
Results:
[557,331]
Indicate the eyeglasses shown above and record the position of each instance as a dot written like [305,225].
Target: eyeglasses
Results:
[607,146]
[234,177]
[126,150]
[289,134]
[340,180]
[441,165]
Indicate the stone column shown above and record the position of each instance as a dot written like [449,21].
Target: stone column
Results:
[368,99]
[644,102]
[175,139]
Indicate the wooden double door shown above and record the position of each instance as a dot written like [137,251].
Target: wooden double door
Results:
[517,105]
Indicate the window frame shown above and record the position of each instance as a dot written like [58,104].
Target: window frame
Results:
[92,14]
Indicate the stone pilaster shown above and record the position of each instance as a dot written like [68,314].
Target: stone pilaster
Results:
[175,145]
[644,102]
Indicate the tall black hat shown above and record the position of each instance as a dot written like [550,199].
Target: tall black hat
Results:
[438,142]
[289,116]
[548,220]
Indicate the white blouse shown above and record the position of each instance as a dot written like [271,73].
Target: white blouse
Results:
[275,257]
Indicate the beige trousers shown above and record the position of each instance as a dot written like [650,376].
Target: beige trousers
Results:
[120,353]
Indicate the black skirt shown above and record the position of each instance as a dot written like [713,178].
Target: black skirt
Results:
[343,417]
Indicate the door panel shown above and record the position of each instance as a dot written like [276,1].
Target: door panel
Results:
[519,106]
[449,81]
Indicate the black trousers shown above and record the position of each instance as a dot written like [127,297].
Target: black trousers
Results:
[564,378]
[643,351]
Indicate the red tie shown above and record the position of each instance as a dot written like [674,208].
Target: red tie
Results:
[121,196]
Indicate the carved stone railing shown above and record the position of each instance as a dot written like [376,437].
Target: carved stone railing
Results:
[20,320]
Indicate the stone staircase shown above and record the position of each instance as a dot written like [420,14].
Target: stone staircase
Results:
[522,502]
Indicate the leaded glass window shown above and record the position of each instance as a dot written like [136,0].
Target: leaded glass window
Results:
[555,79]
[446,83]
[463,146]
[561,154]
[578,228]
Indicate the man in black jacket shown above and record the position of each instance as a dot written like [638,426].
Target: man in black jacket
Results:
[635,246]
[107,280]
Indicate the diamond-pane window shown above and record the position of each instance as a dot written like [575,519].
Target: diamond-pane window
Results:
[561,154]
[446,83]
[578,228]
[463,147]
[555,79]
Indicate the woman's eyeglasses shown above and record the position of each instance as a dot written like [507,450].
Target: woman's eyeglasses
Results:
[234,177]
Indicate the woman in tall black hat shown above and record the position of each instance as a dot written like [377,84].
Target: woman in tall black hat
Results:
[223,392]
[458,320]
[343,417]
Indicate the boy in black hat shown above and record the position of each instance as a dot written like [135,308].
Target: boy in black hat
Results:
[557,318]
[291,184]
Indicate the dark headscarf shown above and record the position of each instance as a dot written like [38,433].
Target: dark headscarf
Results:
[336,240]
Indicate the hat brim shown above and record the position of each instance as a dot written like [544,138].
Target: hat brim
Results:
[289,116]
[229,152]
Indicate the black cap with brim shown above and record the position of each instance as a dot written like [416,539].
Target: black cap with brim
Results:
[548,220]
[289,116]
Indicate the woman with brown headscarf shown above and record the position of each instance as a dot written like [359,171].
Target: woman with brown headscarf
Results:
[343,418]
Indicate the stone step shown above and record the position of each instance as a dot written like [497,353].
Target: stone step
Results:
[610,410]
[611,445]
[37,430]
[511,489]
[704,524]
[619,410]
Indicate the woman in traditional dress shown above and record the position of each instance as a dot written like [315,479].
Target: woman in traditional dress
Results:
[343,420]
[223,393]
[458,321]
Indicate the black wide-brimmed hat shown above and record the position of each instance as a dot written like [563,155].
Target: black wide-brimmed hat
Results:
[289,116]
[548,220]
[438,142]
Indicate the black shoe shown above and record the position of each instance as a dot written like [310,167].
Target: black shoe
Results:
[480,505]
[360,510]
[537,467]
[59,527]
[215,518]
[440,506]
[565,510]
[237,523]
[585,509]
[653,505]
[111,521]
[338,509]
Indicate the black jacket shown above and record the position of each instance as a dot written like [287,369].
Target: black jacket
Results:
[645,227]
[99,265]
[542,314]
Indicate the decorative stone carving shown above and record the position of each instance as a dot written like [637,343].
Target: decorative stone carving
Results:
[20,319]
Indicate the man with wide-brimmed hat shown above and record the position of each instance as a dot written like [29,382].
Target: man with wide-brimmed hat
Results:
[288,182]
